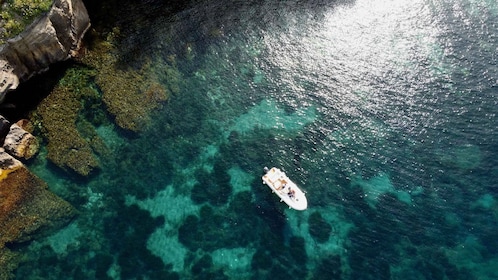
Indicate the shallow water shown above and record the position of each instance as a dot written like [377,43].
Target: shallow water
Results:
[384,112]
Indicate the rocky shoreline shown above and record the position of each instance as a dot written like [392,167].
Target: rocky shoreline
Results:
[52,38]
[27,207]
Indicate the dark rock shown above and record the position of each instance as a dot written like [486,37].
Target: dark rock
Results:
[4,128]
[7,164]
[53,37]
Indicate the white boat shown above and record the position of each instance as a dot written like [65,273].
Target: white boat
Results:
[287,190]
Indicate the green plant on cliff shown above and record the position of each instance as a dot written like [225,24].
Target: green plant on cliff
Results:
[31,8]
[16,15]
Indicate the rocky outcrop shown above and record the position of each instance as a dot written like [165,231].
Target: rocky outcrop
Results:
[52,38]
[27,208]
[20,143]
[16,141]
[4,128]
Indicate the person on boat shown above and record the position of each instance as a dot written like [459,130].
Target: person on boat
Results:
[291,193]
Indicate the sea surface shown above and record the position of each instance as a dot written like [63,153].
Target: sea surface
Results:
[384,112]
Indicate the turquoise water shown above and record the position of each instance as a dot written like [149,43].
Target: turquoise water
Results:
[384,112]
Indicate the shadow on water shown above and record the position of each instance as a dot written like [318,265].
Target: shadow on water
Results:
[185,27]
[28,95]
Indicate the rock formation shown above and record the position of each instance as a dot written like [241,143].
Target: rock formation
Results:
[16,141]
[52,38]
[20,143]
[27,207]
[4,128]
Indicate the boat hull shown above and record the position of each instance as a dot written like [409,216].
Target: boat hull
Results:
[285,188]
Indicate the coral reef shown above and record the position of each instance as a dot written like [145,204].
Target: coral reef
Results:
[26,209]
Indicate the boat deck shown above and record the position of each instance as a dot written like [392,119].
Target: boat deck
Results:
[287,190]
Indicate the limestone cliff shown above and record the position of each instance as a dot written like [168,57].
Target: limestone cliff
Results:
[53,37]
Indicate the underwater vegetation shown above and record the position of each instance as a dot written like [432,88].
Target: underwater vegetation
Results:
[130,93]
[27,208]
[99,90]
[128,234]
[142,168]
[118,251]
[319,228]
[72,143]
[213,188]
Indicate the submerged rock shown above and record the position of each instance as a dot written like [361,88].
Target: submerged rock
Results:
[54,37]
[27,208]
[60,115]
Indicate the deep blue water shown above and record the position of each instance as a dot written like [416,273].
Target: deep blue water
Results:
[384,112]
